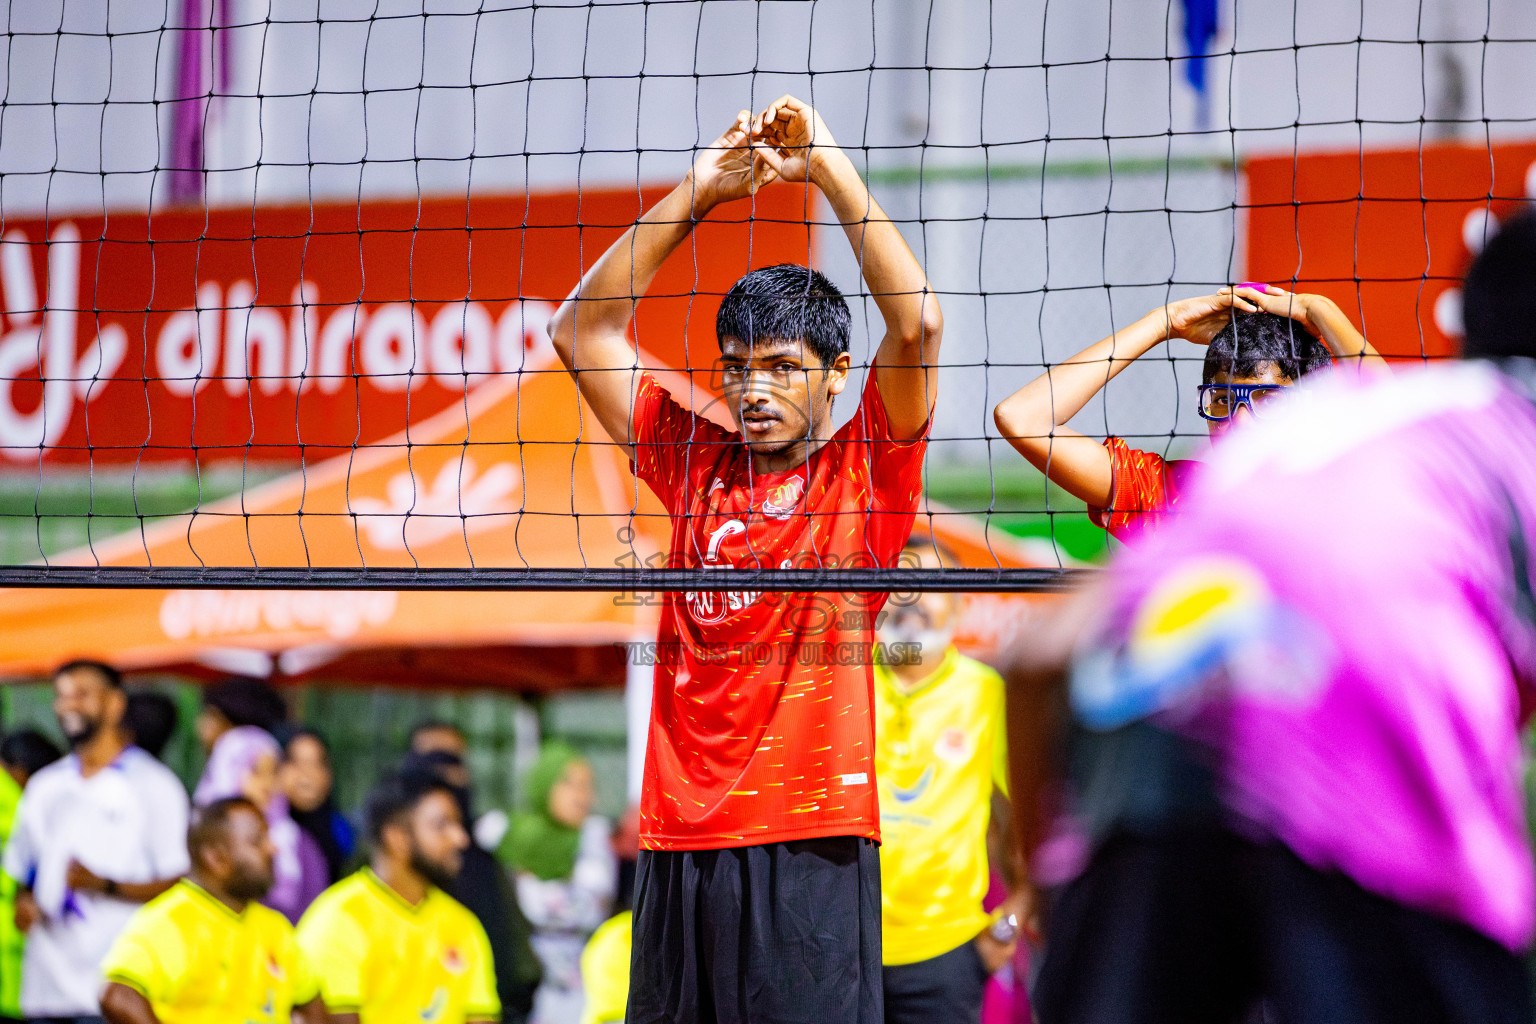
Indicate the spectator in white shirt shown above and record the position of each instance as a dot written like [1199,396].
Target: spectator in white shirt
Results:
[96,834]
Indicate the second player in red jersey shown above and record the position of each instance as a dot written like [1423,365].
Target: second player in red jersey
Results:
[1260,340]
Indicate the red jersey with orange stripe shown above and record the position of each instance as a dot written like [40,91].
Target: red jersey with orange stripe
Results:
[1143,486]
[761,723]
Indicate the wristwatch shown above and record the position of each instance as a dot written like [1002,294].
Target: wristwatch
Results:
[1005,929]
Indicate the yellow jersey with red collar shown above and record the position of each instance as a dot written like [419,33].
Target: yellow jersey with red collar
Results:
[198,962]
[940,750]
[390,962]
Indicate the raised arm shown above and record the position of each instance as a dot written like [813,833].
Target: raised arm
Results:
[800,148]
[1033,419]
[590,330]
[1323,318]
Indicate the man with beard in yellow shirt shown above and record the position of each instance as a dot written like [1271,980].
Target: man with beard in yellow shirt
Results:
[941,760]
[204,951]
[388,945]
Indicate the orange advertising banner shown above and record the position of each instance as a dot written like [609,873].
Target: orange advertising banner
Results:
[288,333]
[1387,234]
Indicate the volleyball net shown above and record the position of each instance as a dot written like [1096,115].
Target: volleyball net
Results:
[276,274]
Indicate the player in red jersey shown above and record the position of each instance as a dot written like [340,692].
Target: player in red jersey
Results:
[757,896]
[1260,341]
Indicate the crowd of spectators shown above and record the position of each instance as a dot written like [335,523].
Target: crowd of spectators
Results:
[124,900]
[260,899]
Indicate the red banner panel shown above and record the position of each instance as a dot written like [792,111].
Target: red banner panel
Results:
[280,333]
[1387,234]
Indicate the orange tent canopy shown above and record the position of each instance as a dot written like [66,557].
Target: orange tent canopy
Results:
[519,475]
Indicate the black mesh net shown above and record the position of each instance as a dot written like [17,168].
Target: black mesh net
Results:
[276,273]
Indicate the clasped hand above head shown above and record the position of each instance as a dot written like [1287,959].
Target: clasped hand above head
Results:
[787,141]
[1201,318]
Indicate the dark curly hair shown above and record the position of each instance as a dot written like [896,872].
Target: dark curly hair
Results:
[1253,341]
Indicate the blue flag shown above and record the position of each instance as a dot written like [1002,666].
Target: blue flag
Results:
[1199,30]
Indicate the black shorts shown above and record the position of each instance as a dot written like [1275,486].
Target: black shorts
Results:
[784,933]
[1200,926]
[946,989]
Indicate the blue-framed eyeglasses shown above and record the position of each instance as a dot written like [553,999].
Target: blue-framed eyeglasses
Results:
[1220,401]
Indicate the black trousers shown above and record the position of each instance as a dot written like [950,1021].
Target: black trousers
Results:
[946,989]
[783,933]
[1200,926]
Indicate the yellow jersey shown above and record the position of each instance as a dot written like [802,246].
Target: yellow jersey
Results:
[389,962]
[605,970]
[940,749]
[198,962]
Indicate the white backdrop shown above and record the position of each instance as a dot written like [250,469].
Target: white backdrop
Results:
[342,99]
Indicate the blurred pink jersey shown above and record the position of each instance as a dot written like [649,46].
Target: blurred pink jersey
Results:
[1341,613]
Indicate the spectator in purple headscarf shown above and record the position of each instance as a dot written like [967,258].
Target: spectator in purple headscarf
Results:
[244,763]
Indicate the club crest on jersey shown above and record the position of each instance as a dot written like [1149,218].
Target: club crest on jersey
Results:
[274,968]
[953,746]
[781,500]
[709,607]
[453,960]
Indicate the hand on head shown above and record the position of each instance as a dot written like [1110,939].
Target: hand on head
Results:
[1298,306]
[1201,318]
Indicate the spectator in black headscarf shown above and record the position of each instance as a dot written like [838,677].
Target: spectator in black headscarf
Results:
[483,887]
[151,718]
[238,701]
[306,777]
